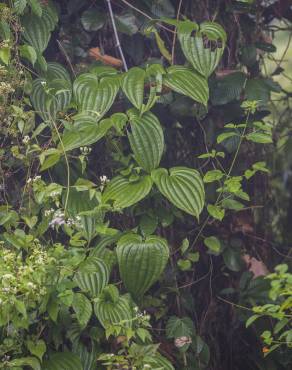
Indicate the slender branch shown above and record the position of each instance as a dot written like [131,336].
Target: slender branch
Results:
[175,32]
[118,44]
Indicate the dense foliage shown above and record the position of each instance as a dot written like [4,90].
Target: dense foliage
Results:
[139,197]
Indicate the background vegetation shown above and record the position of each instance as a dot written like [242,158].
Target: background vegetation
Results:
[145,166]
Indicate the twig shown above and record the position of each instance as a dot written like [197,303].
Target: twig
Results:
[66,57]
[175,32]
[118,44]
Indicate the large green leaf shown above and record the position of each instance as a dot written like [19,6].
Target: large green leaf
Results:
[205,49]
[125,193]
[146,140]
[228,88]
[82,307]
[141,262]
[183,187]
[63,361]
[48,98]
[85,131]
[37,30]
[51,92]
[133,86]
[92,276]
[111,308]
[186,82]
[94,96]
[87,355]
[159,362]
[102,250]
[31,362]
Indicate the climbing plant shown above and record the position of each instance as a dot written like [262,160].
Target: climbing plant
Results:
[112,196]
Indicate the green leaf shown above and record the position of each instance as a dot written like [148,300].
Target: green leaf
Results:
[52,92]
[183,187]
[36,7]
[32,362]
[50,161]
[216,212]
[251,320]
[125,193]
[92,276]
[92,19]
[213,244]
[159,362]
[214,175]
[205,49]
[141,262]
[184,265]
[82,307]
[112,309]
[133,86]
[62,361]
[178,327]
[5,54]
[146,140]
[37,30]
[85,131]
[186,82]
[232,259]
[232,204]
[260,137]
[162,47]
[19,6]
[29,53]
[225,136]
[228,88]
[37,348]
[93,96]
[126,22]
[48,98]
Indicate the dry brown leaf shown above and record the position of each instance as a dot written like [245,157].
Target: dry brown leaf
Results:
[106,59]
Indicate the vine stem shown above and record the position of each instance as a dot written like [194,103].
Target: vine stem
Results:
[67,164]
[228,174]
[175,33]
[118,44]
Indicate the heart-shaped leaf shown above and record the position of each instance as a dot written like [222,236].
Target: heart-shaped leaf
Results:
[93,96]
[141,262]
[82,307]
[183,187]
[85,131]
[92,276]
[63,361]
[37,30]
[146,140]
[186,82]
[112,309]
[205,49]
[52,92]
[125,193]
[133,86]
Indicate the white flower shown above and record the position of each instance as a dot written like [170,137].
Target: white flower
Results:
[43,83]
[31,285]
[29,180]
[58,219]
[26,139]
[48,212]
[37,178]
